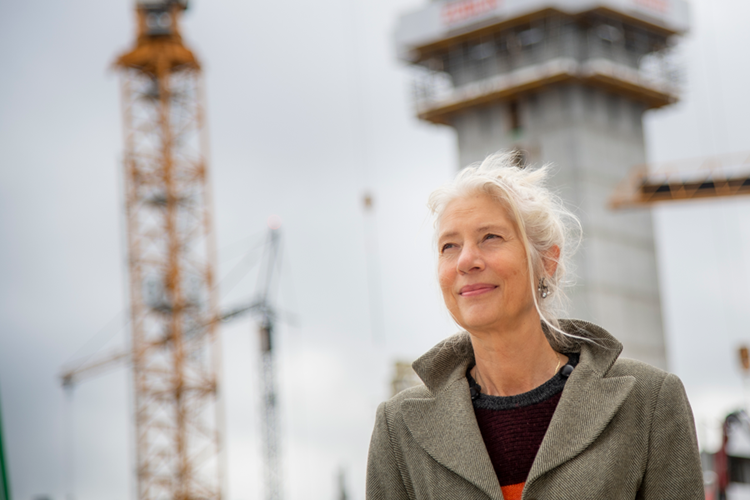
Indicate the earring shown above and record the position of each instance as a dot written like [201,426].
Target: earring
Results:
[543,289]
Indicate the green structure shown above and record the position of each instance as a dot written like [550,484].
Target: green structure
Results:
[4,483]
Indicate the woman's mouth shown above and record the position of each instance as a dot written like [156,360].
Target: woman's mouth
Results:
[476,289]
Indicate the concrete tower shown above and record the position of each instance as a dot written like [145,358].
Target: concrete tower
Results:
[567,82]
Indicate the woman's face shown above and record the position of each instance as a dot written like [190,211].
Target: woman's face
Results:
[482,266]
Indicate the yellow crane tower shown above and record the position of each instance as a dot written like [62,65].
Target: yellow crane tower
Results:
[171,258]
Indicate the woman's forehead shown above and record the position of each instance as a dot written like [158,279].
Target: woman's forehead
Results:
[477,208]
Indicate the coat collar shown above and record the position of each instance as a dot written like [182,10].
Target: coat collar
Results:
[445,426]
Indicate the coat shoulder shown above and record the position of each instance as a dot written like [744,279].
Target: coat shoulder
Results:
[651,383]
[643,372]
[393,405]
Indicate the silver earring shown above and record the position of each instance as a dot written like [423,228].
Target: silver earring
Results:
[543,289]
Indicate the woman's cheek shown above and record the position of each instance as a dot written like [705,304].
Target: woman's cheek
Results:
[445,277]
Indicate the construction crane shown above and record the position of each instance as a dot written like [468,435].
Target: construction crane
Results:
[171,258]
[717,176]
[267,316]
[173,301]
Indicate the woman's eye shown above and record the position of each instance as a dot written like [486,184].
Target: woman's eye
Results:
[447,246]
[492,236]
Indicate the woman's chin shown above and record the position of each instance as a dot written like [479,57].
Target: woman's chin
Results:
[477,324]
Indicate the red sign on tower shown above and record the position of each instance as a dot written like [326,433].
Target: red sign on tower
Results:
[661,6]
[464,10]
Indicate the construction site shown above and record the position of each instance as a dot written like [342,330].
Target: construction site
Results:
[217,260]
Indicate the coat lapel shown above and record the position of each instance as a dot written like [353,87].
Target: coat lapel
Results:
[583,412]
[444,425]
[587,405]
[446,428]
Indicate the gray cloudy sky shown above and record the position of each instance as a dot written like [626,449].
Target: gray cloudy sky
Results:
[307,108]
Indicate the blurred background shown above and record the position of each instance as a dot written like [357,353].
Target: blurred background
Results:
[310,113]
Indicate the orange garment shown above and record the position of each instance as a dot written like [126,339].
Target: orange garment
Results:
[513,491]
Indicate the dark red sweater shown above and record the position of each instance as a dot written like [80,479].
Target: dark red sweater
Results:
[513,428]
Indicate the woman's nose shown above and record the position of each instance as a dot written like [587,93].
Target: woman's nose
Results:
[470,260]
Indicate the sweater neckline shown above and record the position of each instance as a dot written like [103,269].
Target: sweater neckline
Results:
[537,395]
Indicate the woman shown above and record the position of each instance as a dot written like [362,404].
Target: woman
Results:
[522,405]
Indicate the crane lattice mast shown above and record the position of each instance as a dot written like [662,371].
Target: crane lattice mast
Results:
[171,257]
[262,308]
[271,449]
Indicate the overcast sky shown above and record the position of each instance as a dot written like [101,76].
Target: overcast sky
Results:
[307,109]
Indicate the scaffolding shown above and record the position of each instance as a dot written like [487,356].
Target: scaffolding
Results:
[496,64]
[717,176]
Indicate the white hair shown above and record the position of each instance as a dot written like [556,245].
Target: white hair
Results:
[542,220]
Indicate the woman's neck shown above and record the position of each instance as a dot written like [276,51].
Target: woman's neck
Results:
[514,361]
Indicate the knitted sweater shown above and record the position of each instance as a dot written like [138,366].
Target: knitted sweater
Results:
[513,427]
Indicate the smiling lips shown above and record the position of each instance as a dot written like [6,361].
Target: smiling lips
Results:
[476,289]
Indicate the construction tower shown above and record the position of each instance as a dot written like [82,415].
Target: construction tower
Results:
[171,262]
[267,315]
[567,82]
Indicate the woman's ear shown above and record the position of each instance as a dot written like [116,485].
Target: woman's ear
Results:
[550,259]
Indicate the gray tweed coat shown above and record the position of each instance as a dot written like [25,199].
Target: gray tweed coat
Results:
[622,430]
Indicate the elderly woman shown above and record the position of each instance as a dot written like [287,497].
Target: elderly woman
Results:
[522,405]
